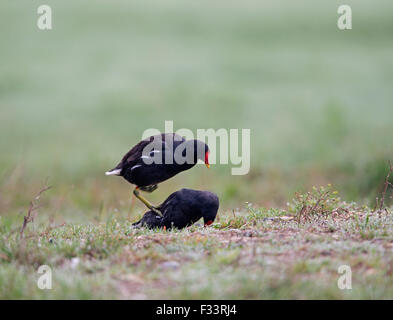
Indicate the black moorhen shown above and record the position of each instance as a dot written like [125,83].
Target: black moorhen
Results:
[158,158]
[181,209]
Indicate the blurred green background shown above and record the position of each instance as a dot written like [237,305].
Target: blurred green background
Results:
[74,99]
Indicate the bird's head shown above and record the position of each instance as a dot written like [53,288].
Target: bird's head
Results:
[210,206]
[202,152]
[193,150]
[209,216]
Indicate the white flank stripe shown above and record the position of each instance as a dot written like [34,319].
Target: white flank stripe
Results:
[136,166]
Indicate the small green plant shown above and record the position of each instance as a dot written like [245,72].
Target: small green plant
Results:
[262,213]
[322,201]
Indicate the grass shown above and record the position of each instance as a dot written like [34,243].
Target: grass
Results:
[318,102]
[255,253]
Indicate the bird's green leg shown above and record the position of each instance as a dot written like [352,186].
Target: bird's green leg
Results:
[146,202]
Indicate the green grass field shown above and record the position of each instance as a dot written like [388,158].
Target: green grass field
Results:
[318,101]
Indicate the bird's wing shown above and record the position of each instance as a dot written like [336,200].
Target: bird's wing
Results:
[160,142]
[167,205]
[157,143]
[134,155]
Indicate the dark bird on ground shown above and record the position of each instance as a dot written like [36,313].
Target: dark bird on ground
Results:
[158,158]
[181,209]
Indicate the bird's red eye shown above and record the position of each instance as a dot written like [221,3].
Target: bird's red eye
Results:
[209,223]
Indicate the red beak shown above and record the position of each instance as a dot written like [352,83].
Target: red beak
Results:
[208,223]
[207,159]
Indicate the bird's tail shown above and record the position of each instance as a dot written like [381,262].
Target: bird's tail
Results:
[113,172]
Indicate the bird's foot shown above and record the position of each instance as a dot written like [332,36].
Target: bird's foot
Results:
[156,211]
[149,188]
[147,203]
